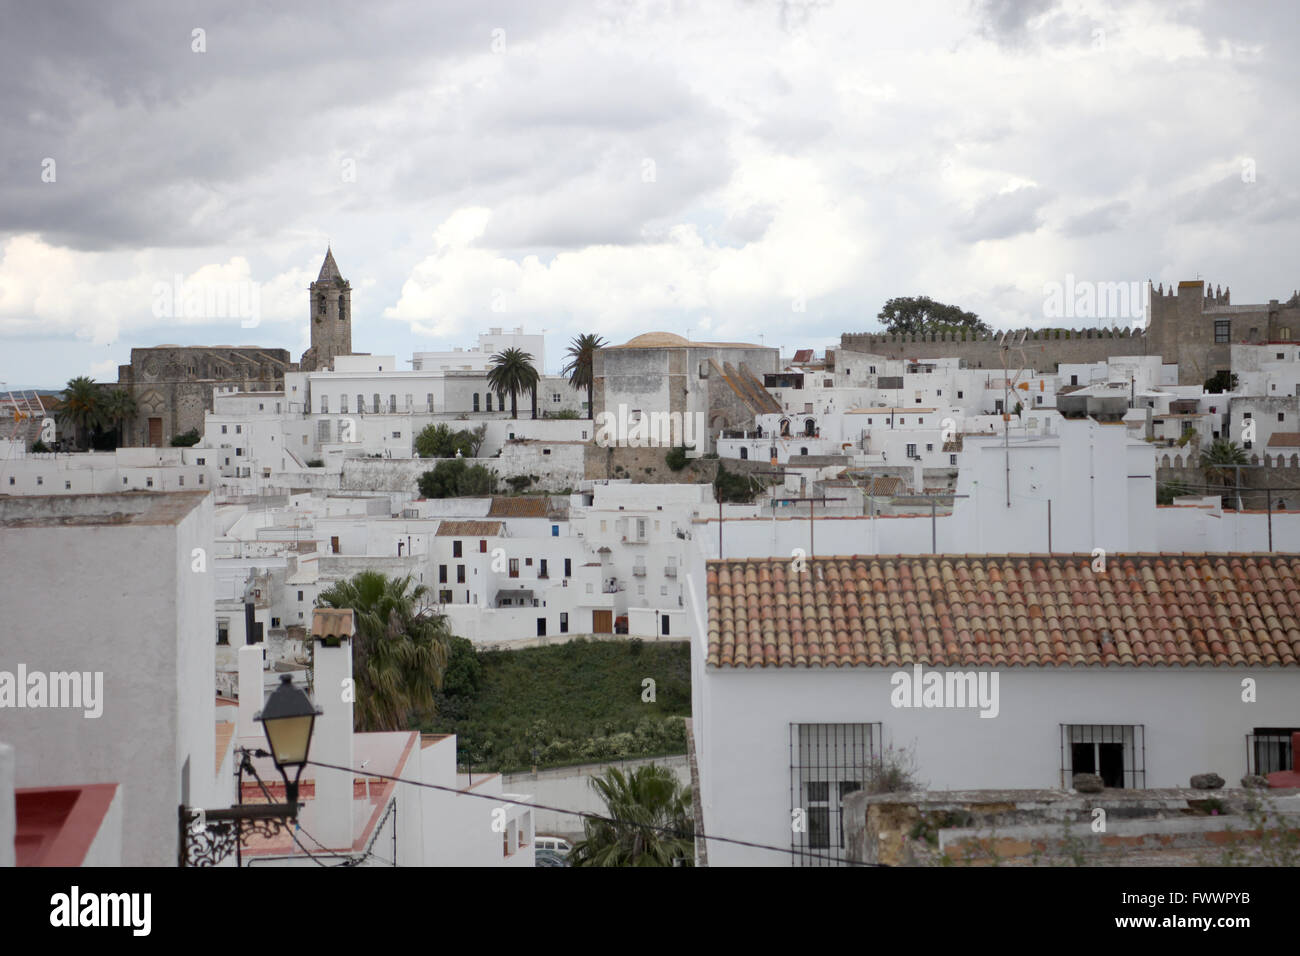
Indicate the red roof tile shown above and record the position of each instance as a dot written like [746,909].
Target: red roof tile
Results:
[1006,611]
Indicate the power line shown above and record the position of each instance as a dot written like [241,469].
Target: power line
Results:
[587,815]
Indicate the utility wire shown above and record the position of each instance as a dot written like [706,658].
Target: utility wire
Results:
[586,815]
[297,826]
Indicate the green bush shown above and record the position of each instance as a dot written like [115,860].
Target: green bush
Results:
[455,478]
[676,458]
[186,439]
[440,441]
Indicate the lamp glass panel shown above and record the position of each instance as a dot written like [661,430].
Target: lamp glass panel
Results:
[289,738]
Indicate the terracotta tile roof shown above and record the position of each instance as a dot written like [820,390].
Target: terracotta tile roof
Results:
[532,507]
[1006,610]
[803,355]
[468,529]
[1284,440]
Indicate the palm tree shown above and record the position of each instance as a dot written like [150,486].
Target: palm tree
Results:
[82,406]
[582,350]
[1218,461]
[512,372]
[119,409]
[400,652]
[653,824]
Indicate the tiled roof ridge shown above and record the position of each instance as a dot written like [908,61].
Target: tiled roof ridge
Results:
[1161,608]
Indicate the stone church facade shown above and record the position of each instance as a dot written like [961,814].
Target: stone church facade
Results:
[173,384]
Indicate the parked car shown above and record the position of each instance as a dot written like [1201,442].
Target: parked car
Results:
[549,858]
[557,844]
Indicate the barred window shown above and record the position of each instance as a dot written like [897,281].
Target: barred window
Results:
[827,763]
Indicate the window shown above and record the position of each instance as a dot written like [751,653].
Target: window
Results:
[1268,749]
[223,630]
[275,622]
[555,398]
[67,485]
[444,597]
[361,403]
[744,453]
[541,569]
[324,404]
[223,429]
[442,574]
[929,447]
[568,567]
[428,400]
[952,459]
[959,393]
[1038,399]
[827,763]
[180,480]
[514,567]
[239,429]
[392,404]
[487,400]
[460,574]
[375,402]
[397,434]
[482,545]
[1222,330]
[555,531]
[299,595]
[564,622]
[200,461]
[1117,752]
[911,451]
[343,404]
[239,453]
[409,402]
[455,549]
[1281,416]
[476,401]
[148,482]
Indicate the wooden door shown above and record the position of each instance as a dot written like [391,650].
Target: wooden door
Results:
[155,432]
[602,622]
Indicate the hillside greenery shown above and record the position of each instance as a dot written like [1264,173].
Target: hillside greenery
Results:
[578,702]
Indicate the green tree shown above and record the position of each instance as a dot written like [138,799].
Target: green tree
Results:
[186,439]
[400,652]
[454,478]
[119,408]
[582,351]
[1218,460]
[512,372]
[921,315]
[653,824]
[439,441]
[1221,381]
[732,487]
[82,407]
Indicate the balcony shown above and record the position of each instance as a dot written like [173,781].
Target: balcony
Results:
[670,571]
[638,571]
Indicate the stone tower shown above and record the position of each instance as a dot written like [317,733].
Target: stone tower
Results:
[330,301]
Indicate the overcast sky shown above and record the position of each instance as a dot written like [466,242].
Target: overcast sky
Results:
[728,169]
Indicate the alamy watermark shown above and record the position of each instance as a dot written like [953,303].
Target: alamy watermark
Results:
[953,689]
[179,299]
[1121,302]
[83,690]
[632,428]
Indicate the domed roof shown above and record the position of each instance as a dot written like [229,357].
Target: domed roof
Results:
[656,340]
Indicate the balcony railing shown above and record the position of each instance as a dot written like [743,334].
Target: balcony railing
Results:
[670,571]
[639,571]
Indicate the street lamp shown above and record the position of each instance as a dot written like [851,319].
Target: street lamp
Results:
[288,720]
[209,836]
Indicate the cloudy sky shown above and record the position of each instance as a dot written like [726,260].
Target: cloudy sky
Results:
[729,170]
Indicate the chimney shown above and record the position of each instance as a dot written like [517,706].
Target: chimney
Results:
[252,689]
[332,633]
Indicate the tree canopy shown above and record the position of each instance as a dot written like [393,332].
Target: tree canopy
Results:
[921,315]
[654,824]
[400,652]
[582,351]
[456,478]
[512,372]
[440,441]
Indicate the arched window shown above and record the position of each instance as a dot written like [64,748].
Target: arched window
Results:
[803,451]
[785,428]
[376,402]
[488,396]
[343,311]
[361,402]
[809,428]
[476,401]
[320,306]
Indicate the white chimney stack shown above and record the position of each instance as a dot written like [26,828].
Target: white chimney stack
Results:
[252,689]
[332,633]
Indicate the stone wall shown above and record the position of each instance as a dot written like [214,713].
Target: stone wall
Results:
[648,466]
